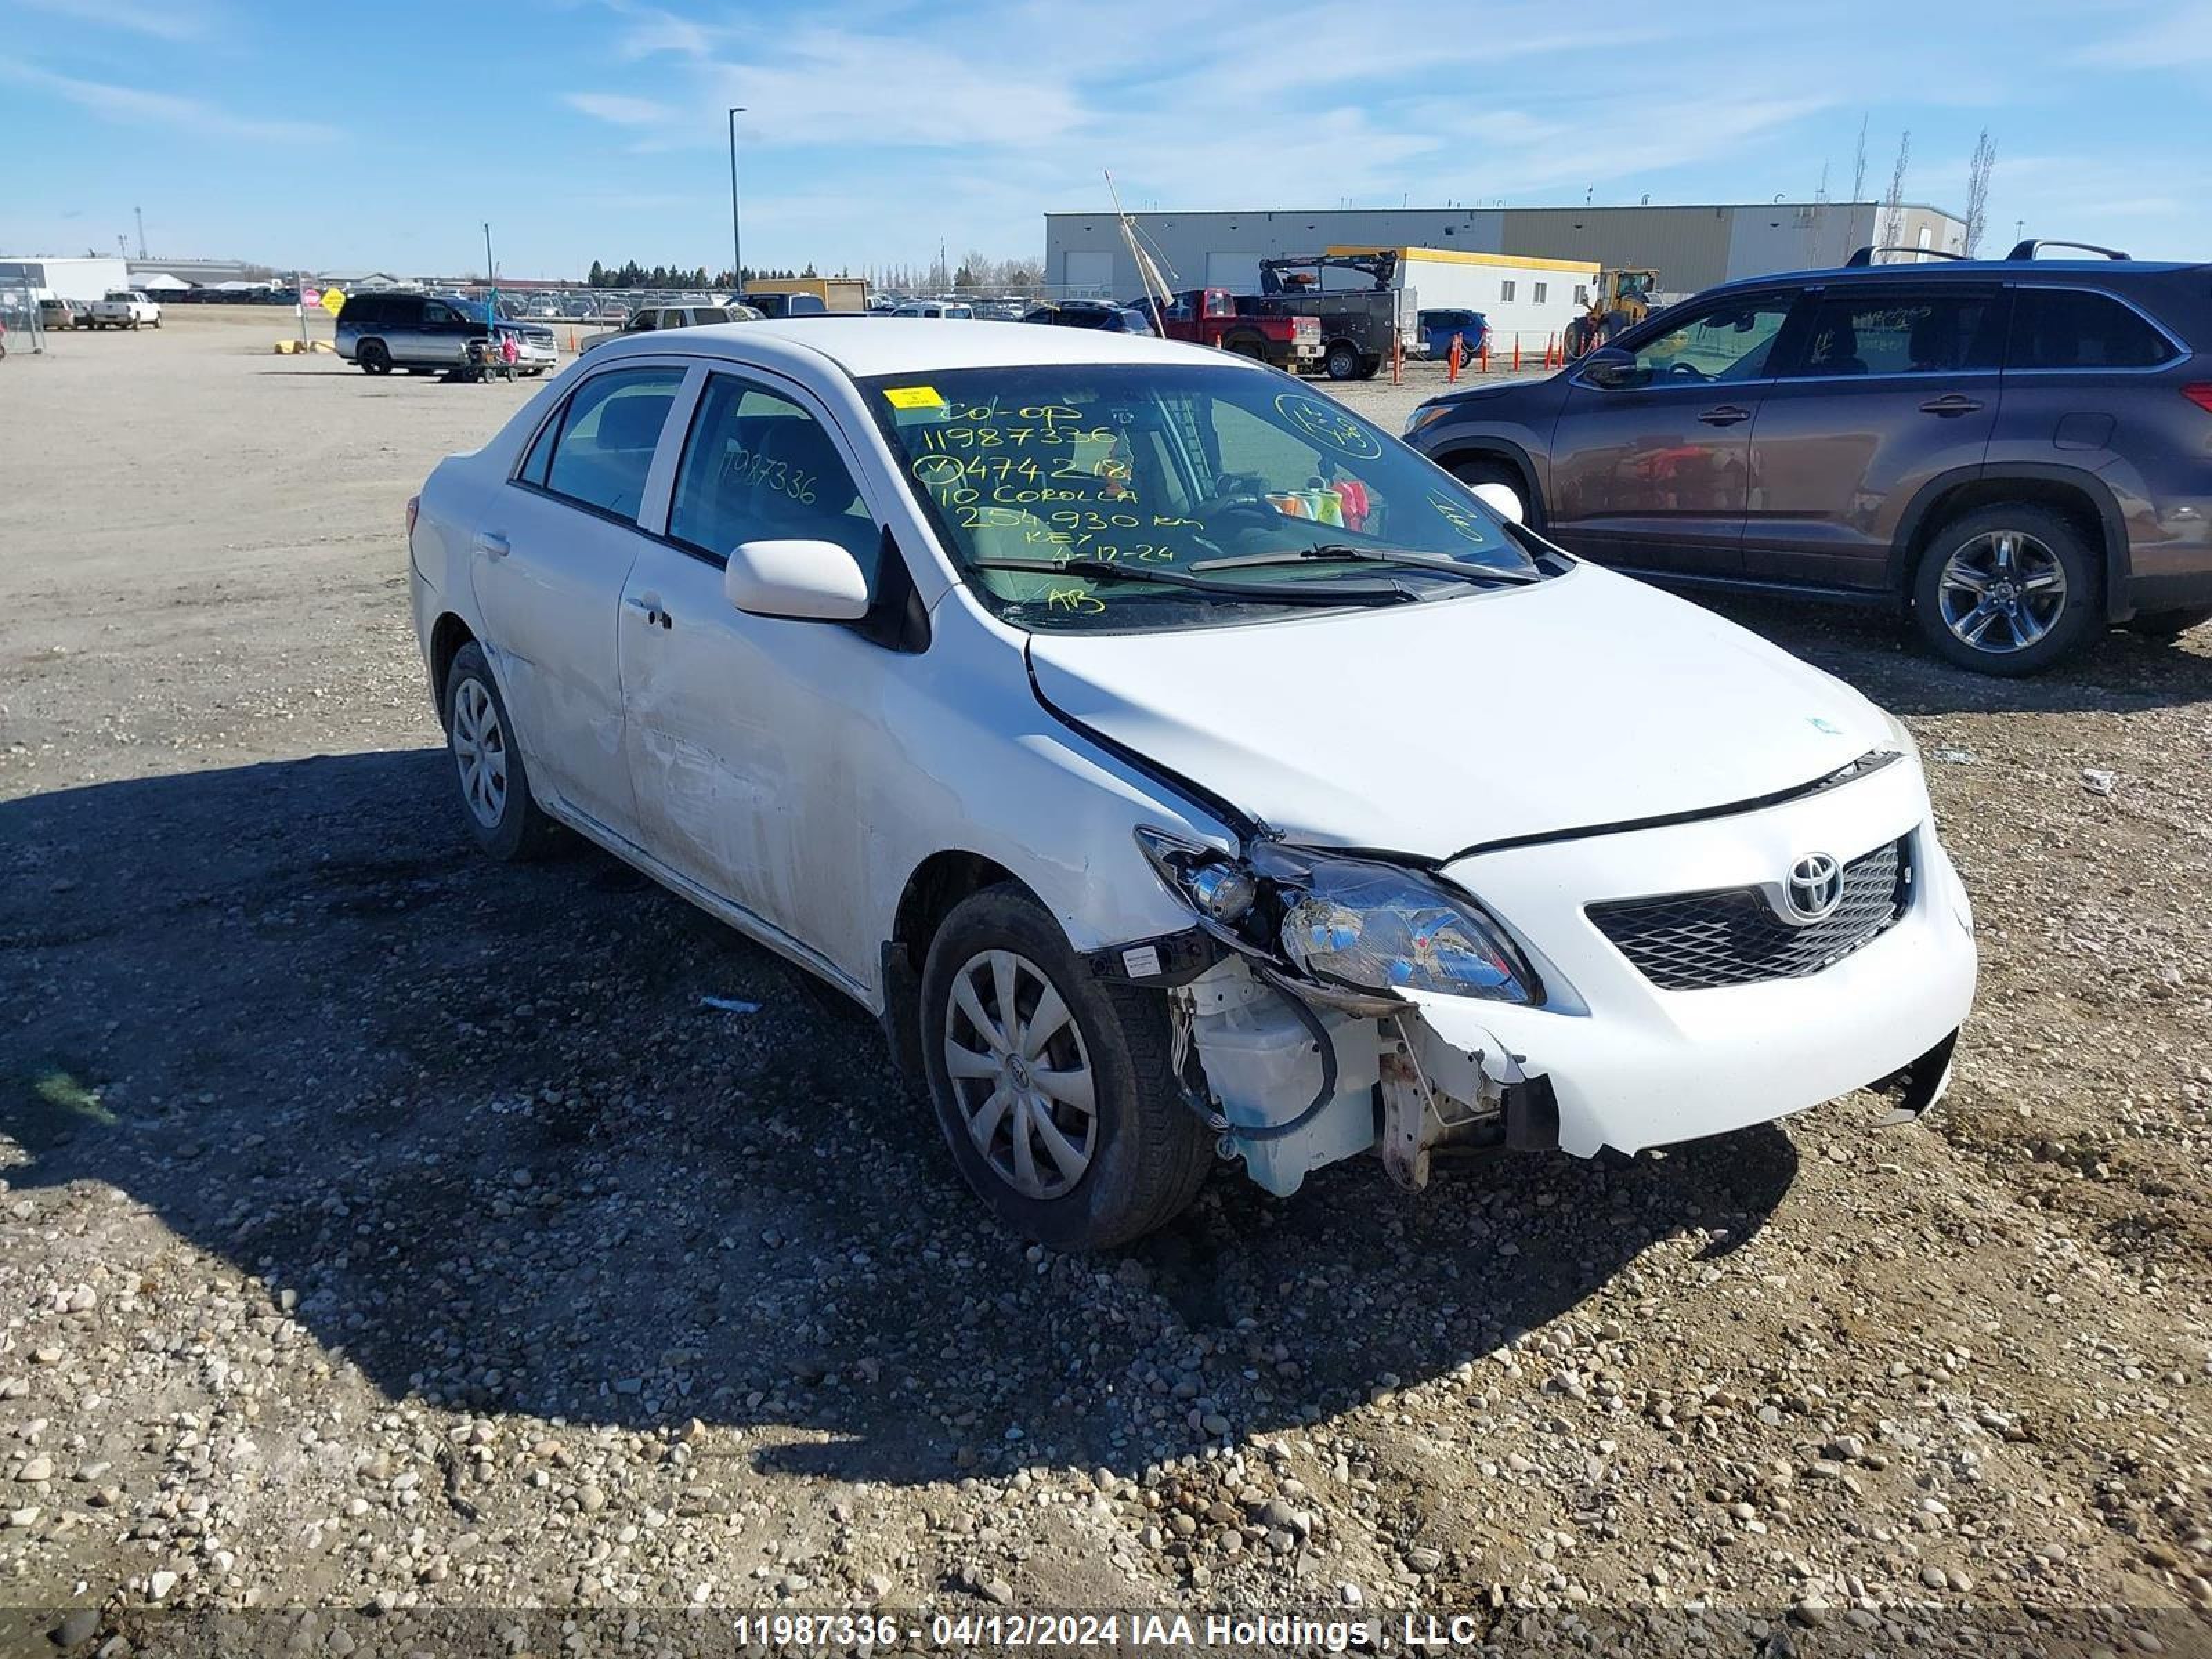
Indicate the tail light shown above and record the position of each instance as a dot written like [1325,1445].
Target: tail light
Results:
[2201,395]
[414,506]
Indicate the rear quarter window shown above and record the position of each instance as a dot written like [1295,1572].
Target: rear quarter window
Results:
[366,312]
[2073,328]
[608,435]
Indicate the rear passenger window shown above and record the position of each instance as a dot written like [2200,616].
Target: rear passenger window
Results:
[757,467]
[1899,334]
[607,436]
[2068,328]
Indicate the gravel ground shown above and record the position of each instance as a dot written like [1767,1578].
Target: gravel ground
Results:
[386,1229]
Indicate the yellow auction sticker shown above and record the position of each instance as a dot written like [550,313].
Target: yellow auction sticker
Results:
[913,397]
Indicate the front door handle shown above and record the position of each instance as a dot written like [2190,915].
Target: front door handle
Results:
[648,606]
[1949,403]
[490,542]
[1726,415]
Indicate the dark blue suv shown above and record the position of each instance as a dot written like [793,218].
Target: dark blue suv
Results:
[2018,451]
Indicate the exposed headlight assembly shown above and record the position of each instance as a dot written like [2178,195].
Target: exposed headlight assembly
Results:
[1359,924]
[1423,415]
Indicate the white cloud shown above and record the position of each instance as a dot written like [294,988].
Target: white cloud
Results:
[136,105]
[181,21]
[620,109]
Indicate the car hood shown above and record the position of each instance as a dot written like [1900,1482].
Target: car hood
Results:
[1430,729]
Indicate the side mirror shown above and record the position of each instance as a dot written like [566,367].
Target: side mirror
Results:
[1608,368]
[1502,499]
[802,580]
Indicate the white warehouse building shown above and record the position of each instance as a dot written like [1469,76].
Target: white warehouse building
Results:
[93,277]
[1690,247]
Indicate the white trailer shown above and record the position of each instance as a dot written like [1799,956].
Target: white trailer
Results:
[1527,301]
[90,279]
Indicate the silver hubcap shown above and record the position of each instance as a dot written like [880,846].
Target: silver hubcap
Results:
[2003,592]
[480,751]
[1020,1074]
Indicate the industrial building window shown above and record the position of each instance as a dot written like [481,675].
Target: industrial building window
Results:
[1582,294]
[1505,292]
[1542,289]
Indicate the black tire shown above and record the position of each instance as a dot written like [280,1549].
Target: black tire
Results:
[372,357]
[1370,367]
[2044,541]
[1149,1154]
[1480,471]
[521,831]
[1246,345]
[1577,338]
[1341,361]
[2169,625]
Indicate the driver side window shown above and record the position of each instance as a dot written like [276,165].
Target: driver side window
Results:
[1726,342]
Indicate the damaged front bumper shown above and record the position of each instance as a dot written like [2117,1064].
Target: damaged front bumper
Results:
[1295,1076]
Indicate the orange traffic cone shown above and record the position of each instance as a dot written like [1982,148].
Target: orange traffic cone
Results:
[1516,352]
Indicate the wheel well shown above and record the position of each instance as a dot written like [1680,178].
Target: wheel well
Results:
[1532,501]
[448,636]
[939,883]
[2069,502]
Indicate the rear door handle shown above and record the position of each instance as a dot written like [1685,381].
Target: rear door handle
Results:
[1949,403]
[648,606]
[1726,415]
[492,543]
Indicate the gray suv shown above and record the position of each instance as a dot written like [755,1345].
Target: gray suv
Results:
[2017,451]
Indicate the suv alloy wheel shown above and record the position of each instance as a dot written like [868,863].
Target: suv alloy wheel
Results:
[2007,590]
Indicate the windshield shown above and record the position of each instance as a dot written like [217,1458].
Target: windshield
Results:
[1132,496]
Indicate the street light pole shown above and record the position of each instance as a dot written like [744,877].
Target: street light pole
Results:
[736,246]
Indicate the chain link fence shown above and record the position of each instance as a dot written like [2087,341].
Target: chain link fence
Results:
[19,315]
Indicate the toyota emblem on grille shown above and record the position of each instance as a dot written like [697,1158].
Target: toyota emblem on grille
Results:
[1815,889]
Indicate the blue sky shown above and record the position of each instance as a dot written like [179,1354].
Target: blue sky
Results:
[381,133]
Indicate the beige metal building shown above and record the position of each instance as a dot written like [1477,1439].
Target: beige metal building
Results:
[1691,247]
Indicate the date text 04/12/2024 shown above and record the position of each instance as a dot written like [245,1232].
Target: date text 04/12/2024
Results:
[1140,1632]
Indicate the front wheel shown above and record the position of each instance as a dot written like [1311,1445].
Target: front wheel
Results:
[1053,1088]
[2006,590]
[1472,473]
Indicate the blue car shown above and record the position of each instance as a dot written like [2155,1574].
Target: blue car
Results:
[1438,329]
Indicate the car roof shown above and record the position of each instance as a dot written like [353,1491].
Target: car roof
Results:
[865,346]
[2098,273]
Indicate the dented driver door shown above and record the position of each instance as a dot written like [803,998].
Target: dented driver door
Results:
[753,741]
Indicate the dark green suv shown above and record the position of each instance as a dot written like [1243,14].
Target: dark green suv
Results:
[2016,450]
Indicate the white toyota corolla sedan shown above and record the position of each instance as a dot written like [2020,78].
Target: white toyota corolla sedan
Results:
[1178,766]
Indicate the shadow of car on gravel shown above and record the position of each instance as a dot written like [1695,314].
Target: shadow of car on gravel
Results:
[475,1126]
[1876,652]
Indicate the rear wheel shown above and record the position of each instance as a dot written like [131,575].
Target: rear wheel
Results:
[503,816]
[374,358]
[1248,345]
[1053,1088]
[1342,360]
[2007,590]
[2169,624]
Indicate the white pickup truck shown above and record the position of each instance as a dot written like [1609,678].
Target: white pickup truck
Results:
[124,307]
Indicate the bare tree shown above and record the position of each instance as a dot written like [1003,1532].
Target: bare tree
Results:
[1893,205]
[1858,190]
[1978,191]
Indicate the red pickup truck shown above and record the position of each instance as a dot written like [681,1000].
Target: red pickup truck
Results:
[1210,316]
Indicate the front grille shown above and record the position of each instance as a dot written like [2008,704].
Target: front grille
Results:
[1696,941]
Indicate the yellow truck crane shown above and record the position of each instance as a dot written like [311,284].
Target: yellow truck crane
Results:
[1621,299]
